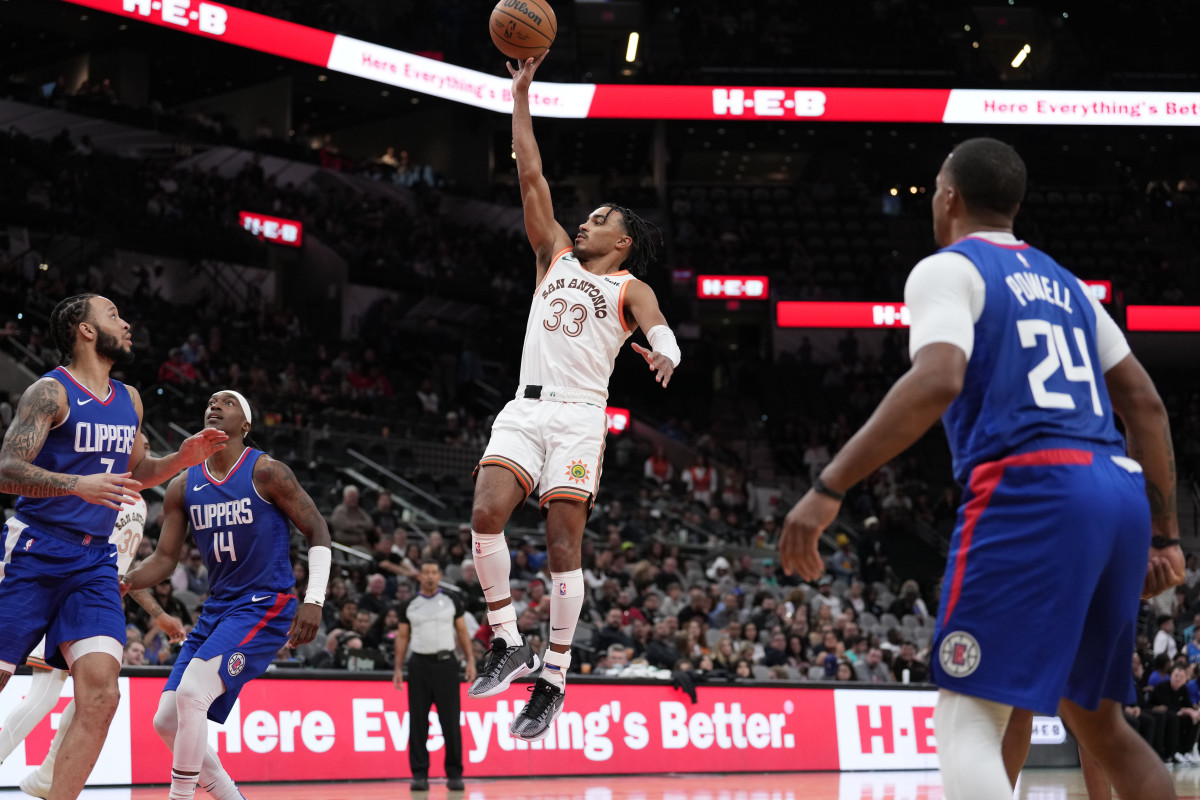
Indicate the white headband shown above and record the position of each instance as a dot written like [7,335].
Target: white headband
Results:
[243,402]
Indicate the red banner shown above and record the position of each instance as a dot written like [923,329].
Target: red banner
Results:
[1162,318]
[330,730]
[272,229]
[797,314]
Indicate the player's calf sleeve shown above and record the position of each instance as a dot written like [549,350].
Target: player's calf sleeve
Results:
[42,697]
[492,564]
[970,737]
[566,601]
[46,771]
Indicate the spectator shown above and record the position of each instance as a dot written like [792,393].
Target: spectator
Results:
[825,598]
[1171,697]
[175,370]
[191,575]
[612,632]
[816,458]
[616,662]
[386,520]
[374,601]
[844,672]
[775,651]
[906,668]
[872,554]
[661,652]
[658,467]
[872,669]
[701,481]
[1164,640]
[350,524]
[742,670]
[843,563]
[135,654]
[909,602]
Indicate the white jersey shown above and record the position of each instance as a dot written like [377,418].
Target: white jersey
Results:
[576,327]
[126,535]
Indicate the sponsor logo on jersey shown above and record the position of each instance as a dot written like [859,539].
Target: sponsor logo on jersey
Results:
[237,663]
[578,472]
[959,654]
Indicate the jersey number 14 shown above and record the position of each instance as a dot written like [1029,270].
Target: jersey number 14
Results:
[223,542]
[1058,354]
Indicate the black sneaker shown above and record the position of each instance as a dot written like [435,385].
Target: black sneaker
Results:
[419,785]
[455,784]
[502,666]
[535,719]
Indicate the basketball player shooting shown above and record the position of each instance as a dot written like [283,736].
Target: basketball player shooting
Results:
[238,504]
[1062,522]
[550,438]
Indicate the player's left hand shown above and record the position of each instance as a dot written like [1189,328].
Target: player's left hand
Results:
[305,625]
[802,527]
[658,363]
[1165,569]
[198,447]
[172,627]
[470,670]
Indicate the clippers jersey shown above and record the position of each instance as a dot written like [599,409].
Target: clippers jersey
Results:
[97,436]
[1035,370]
[243,539]
[576,327]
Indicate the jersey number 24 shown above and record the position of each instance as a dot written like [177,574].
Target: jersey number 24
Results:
[1058,354]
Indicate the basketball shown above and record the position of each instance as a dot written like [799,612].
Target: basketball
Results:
[523,28]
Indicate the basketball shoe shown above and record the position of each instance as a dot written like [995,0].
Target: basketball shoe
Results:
[32,785]
[535,719]
[502,666]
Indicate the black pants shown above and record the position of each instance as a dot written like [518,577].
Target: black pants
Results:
[433,683]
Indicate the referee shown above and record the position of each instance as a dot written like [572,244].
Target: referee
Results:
[431,620]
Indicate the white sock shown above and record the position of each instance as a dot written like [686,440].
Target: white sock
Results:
[46,771]
[183,785]
[504,625]
[970,732]
[41,700]
[566,601]
[555,668]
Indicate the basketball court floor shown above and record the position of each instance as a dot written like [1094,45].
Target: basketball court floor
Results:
[1036,784]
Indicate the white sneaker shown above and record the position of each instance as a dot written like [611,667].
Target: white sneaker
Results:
[1180,758]
[32,785]
[1192,758]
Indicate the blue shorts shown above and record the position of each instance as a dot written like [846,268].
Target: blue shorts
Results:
[1040,597]
[245,634]
[54,585]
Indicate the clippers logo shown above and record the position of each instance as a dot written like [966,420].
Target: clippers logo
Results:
[208,18]
[959,654]
[237,662]
[578,472]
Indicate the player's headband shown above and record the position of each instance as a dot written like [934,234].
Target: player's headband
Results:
[243,402]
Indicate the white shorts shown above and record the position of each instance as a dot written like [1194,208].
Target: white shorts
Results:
[557,448]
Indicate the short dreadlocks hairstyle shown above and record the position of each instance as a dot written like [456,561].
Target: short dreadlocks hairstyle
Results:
[988,174]
[64,323]
[646,238]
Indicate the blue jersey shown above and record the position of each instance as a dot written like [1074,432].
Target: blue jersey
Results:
[1034,374]
[97,436]
[243,539]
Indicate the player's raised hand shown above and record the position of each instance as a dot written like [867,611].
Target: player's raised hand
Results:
[802,527]
[171,626]
[108,489]
[198,447]
[658,363]
[305,625]
[523,75]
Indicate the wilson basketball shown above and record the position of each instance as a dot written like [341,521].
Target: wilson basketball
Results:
[523,28]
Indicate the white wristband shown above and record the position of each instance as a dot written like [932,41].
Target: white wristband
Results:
[662,340]
[320,559]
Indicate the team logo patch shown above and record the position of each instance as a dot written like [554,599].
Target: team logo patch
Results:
[237,663]
[959,654]
[578,472]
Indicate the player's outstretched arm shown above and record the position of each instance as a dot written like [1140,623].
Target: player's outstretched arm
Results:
[43,406]
[664,355]
[909,409]
[1148,441]
[277,484]
[151,471]
[159,566]
[545,234]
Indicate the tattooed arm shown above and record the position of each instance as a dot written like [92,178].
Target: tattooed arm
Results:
[43,406]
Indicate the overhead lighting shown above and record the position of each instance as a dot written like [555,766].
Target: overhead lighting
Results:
[893,191]
[1021,56]
[912,190]
[631,48]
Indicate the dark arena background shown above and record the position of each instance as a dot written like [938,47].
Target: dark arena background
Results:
[316,203]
